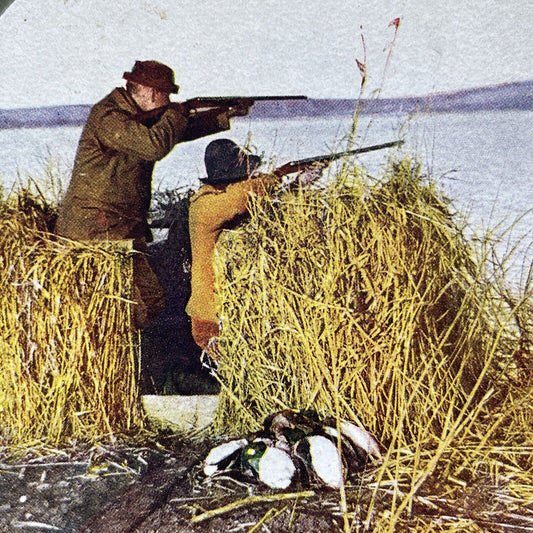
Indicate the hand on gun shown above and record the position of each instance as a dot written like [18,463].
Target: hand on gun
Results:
[241,109]
[209,110]
[312,173]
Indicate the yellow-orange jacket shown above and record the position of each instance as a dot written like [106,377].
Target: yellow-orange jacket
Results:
[212,209]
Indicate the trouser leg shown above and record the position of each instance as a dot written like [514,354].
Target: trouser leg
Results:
[149,295]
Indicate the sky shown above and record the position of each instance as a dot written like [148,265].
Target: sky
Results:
[58,52]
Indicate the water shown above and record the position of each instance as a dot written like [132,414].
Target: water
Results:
[482,161]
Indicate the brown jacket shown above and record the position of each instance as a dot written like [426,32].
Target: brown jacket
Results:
[213,209]
[110,190]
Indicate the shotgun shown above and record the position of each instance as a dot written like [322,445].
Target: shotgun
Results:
[305,164]
[201,103]
[204,110]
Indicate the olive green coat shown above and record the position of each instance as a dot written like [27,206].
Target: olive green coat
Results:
[110,189]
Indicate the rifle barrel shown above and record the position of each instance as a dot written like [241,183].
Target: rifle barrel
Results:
[255,98]
[338,155]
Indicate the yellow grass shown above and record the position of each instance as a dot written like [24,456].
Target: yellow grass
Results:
[361,299]
[68,363]
[364,300]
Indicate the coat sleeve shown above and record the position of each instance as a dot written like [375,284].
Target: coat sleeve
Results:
[206,123]
[119,131]
[221,208]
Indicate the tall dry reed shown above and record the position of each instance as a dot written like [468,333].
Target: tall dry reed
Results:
[68,358]
[364,300]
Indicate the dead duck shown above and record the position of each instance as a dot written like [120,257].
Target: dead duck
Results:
[320,458]
[223,456]
[270,465]
[297,445]
[258,459]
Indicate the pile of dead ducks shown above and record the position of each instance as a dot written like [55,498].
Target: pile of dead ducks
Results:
[297,447]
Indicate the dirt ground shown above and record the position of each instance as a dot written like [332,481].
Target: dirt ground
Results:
[52,490]
[142,490]
[160,488]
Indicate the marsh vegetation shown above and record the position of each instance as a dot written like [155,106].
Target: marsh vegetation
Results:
[360,298]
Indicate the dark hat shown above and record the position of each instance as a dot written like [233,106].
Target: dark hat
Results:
[225,162]
[152,74]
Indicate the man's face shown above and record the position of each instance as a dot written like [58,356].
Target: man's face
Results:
[148,98]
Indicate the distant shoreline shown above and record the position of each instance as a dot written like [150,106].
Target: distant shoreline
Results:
[509,96]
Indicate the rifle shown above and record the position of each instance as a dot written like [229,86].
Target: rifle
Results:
[304,164]
[208,102]
[203,111]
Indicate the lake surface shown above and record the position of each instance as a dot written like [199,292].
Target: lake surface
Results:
[483,161]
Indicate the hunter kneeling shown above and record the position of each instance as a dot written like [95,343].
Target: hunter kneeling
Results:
[220,203]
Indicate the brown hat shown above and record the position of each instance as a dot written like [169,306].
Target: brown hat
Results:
[152,74]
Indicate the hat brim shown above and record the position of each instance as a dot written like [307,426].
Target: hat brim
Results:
[130,76]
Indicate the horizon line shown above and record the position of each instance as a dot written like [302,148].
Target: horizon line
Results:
[369,98]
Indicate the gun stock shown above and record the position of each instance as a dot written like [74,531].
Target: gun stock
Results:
[304,164]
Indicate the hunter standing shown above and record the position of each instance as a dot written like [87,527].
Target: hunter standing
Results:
[109,194]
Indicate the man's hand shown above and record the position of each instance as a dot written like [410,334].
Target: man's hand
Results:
[239,110]
[313,173]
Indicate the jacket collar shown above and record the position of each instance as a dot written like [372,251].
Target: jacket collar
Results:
[205,189]
[124,100]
